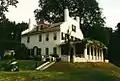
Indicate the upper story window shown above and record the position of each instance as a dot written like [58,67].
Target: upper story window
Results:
[55,36]
[62,36]
[28,39]
[73,28]
[47,37]
[40,38]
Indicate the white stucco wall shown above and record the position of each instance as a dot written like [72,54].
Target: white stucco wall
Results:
[34,41]
[68,25]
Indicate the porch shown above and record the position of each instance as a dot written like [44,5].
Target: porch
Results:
[80,52]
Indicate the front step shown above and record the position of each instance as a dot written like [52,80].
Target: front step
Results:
[45,66]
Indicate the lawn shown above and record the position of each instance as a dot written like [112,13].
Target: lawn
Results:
[62,71]
[23,64]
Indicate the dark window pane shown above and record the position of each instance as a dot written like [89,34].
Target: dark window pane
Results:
[47,51]
[28,39]
[54,50]
[40,38]
[73,28]
[62,36]
[55,36]
[47,37]
[39,51]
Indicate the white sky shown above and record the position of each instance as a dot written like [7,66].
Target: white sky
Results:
[25,8]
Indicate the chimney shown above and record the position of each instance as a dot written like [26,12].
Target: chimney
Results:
[29,24]
[66,14]
[77,19]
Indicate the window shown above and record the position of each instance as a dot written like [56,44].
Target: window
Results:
[37,28]
[47,37]
[55,36]
[28,52]
[54,50]
[76,39]
[66,37]
[71,38]
[73,28]
[40,38]
[39,51]
[28,39]
[62,36]
[47,51]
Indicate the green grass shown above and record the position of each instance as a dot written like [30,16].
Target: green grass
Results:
[63,71]
[28,64]
[23,64]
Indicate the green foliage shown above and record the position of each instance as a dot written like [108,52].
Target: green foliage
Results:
[10,32]
[10,35]
[114,46]
[88,11]
[21,52]
[23,64]
[38,58]
[100,33]
[8,57]
[91,19]
[4,4]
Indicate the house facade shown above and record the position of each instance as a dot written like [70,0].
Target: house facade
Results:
[51,39]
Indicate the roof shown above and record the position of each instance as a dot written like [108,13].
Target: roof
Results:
[50,28]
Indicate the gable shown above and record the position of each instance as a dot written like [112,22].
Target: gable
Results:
[72,25]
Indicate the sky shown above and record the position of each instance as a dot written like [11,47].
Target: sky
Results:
[25,8]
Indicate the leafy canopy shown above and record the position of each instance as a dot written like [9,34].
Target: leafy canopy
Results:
[88,11]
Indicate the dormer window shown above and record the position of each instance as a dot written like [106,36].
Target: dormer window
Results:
[73,28]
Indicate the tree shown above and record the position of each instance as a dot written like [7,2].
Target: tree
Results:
[10,35]
[4,4]
[88,10]
[114,46]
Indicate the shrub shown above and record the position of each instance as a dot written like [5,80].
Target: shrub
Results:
[58,59]
[47,59]
[38,58]
[8,57]
[30,58]
[21,52]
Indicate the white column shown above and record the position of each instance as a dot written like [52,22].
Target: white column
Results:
[102,55]
[85,53]
[90,56]
[96,54]
[93,53]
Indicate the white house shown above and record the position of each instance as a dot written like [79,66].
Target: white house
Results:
[50,39]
